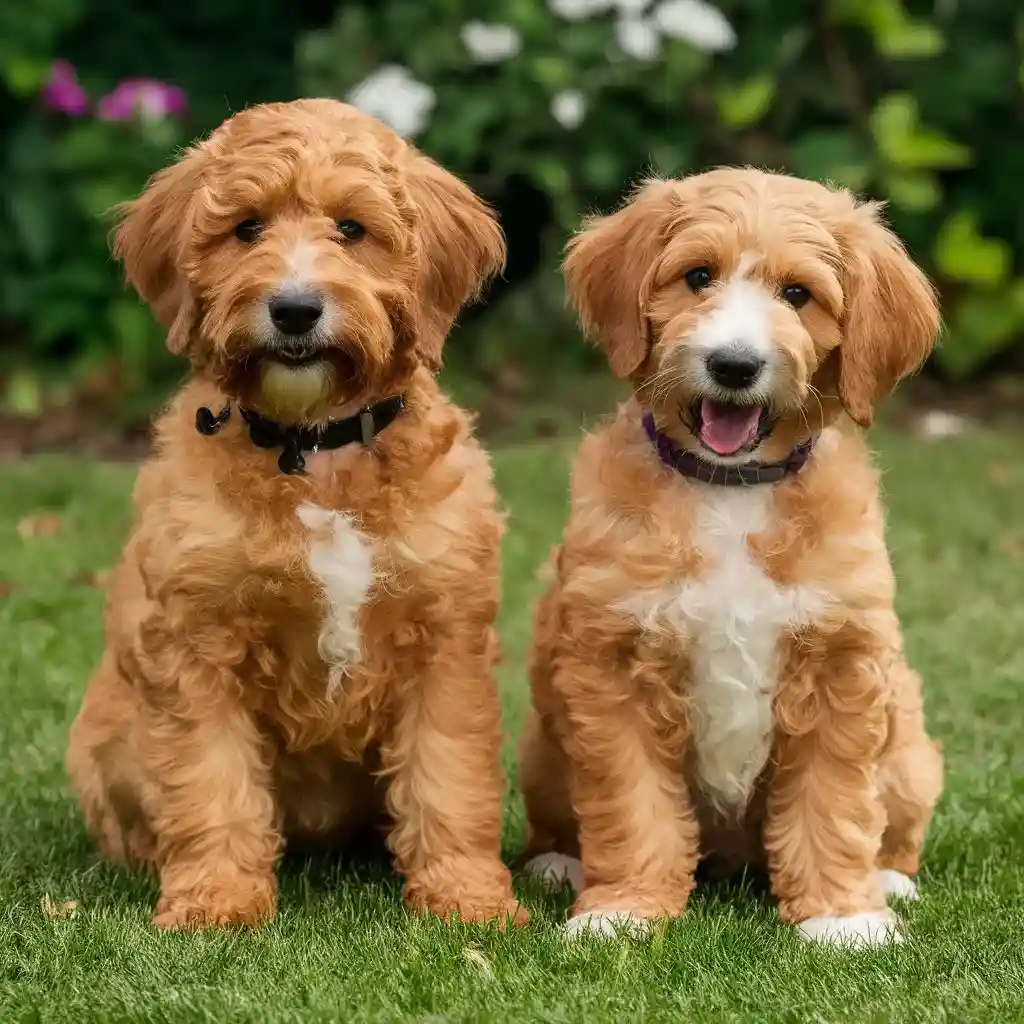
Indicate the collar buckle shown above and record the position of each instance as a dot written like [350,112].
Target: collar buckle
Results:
[366,427]
[363,427]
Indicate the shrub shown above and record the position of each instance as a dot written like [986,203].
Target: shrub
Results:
[548,107]
[912,104]
[82,133]
[66,169]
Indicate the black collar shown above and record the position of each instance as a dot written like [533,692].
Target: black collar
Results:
[293,441]
[728,476]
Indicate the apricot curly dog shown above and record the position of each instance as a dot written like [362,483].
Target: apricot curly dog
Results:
[299,633]
[718,669]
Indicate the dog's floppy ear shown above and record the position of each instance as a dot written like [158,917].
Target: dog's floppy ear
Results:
[151,242]
[461,247]
[891,318]
[609,271]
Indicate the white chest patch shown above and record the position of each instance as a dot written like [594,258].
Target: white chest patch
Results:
[341,560]
[731,622]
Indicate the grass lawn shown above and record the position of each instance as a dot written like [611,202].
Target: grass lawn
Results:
[343,949]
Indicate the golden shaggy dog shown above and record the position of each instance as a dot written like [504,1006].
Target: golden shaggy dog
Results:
[718,669]
[299,633]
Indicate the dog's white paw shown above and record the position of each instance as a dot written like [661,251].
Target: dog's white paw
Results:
[858,931]
[897,885]
[556,868]
[606,924]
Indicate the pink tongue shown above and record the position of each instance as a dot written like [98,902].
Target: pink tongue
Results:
[727,428]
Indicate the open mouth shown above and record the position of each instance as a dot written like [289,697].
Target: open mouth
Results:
[728,429]
[295,355]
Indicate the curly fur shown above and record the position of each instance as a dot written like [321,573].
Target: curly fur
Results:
[308,658]
[717,671]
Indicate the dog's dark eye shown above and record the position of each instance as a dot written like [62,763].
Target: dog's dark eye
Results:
[249,230]
[351,230]
[796,295]
[699,278]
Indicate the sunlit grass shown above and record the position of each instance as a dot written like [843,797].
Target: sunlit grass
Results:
[343,949]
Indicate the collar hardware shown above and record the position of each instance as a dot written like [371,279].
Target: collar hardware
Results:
[690,465]
[294,440]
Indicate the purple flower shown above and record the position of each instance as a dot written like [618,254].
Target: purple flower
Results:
[62,91]
[144,96]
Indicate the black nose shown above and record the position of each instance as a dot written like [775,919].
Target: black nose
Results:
[735,368]
[295,312]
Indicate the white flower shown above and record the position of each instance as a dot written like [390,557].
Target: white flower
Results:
[578,10]
[937,424]
[490,43]
[398,99]
[701,25]
[631,6]
[637,38]
[568,108]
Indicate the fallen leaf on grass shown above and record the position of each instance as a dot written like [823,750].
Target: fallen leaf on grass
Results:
[475,958]
[54,910]
[45,525]
[6,587]
[1013,547]
[999,474]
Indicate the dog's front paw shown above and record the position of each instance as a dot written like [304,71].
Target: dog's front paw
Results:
[466,890]
[238,903]
[556,869]
[505,911]
[897,886]
[606,924]
[470,908]
[855,931]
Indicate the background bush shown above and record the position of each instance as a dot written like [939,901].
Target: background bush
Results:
[550,108]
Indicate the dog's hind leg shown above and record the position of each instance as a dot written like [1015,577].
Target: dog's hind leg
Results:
[910,784]
[552,850]
[104,771]
[552,847]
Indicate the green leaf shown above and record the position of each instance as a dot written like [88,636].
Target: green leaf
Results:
[682,64]
[552,174]
[24,75]
[981,324]
[895,34]
[1015,297]
[879,17]
[913,190]
[23,394]
[894,124]
[911,39]
[553,73]
[894,116]
[745,103]
[963,254]
[925,149]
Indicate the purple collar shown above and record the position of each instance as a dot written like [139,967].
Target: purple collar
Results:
[728,476]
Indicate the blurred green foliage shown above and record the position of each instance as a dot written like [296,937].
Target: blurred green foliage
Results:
[66,317]
[918,102]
